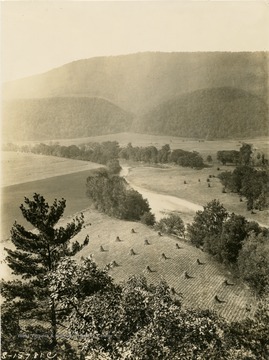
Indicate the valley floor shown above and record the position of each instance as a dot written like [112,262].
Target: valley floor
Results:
[199,291]
[191,185]
[208,279]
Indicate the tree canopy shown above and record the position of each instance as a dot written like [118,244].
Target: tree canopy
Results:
[253,262]
[35,254]
[233,240]
[138,320]
[111,195]
[207,222]
[249,182]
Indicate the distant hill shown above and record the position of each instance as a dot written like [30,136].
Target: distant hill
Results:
[139,83]
[56,118]
[209,113]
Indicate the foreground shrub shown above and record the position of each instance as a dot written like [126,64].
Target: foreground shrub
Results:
[172,224]
[137,320]
[148,219]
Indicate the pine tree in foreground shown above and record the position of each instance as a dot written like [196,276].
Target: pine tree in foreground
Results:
[27,300]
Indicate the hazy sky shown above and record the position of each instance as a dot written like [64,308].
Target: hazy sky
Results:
[40,35]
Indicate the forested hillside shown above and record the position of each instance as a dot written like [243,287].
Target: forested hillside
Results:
[209,113]
[54,118]
[213,94]
[137,82]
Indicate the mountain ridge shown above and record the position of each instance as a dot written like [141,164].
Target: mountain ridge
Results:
[137,85]
[136,82]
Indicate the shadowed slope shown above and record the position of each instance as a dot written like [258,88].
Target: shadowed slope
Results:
[52,118]
[208,113]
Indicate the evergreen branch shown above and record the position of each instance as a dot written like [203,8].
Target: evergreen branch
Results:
[25,240]
[56,212]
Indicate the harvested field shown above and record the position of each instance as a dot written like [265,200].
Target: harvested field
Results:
[199,291]
[18,168]
[71,187]
[67,179]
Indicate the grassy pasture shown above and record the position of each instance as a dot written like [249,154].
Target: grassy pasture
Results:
[170,180]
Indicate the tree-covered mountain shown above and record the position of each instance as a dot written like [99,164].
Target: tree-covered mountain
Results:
[209,113]
[67,117]
[215,94]
[137,82]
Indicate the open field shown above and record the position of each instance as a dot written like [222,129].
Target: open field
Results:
[29,173]
[20,167]
[170,180]
[71,187]
[207,281]
[197,292]
[53,177]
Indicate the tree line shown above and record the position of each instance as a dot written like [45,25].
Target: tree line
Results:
[59,308]
[151,154]
[111,195]
[107,151]
[249,182]
[240,244]
[245,156]
[241,157]
[231,239]
[250,178]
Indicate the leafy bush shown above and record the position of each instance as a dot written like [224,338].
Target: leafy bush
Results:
[207,223]
[253,262]
[172,224]
[148,219]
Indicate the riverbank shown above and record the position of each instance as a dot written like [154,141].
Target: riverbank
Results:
[186,190]
[161,204]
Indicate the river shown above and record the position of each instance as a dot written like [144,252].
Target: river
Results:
[164,204]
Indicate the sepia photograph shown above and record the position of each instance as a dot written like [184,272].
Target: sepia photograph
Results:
[134,180]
